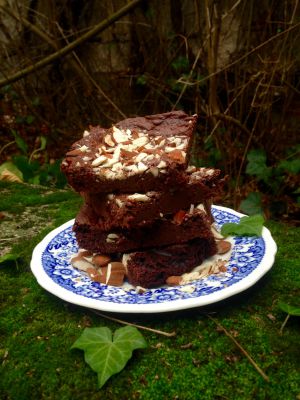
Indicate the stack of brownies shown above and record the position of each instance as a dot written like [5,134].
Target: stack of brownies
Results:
[145,209]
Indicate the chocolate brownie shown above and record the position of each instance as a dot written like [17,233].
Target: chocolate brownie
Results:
[171,229]
[110,211]
[135,155]
[152,267]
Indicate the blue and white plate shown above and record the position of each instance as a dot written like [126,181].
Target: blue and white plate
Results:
[250,259]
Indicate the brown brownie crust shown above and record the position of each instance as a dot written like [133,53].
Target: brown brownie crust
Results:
[136,155]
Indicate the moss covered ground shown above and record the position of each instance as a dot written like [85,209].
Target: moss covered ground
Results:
[200,362]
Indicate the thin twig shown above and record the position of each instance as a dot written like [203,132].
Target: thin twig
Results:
[258,369]
[6,145]
[70,47]
[46,38]
[43,35]
[137,326]
[243,57]
[233,120]
[284,323]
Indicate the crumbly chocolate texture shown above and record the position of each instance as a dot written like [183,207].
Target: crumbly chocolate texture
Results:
[111,211]
[178,228]
[152,268]
[135,155]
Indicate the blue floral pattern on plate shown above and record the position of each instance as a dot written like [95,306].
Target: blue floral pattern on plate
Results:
[246,256]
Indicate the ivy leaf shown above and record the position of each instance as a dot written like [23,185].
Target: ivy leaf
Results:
[11,167]
[20,142]
[291,166]
[108,354]
[248,226]
[252,204]
[257,165]
[291,310]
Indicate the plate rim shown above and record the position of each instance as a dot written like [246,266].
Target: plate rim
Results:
[175,305]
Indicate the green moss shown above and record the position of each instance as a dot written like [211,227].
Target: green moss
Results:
[37,330]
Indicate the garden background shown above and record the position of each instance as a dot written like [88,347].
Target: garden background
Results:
[65,65]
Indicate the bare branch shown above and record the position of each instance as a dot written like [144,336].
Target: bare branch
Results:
[70,47]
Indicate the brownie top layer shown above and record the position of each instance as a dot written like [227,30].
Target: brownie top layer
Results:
[174,123]
[152,145]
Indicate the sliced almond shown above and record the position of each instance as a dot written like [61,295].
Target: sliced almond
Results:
[73,153]
[132,168]
[141,141]
[110,162]
[109,150]
[111,237]
[174,280]
[85,253]
[134,135]
[215,232]
[138,197]
[127,154]
[128,147]
[190,168]
[117,167]
[161,142]
[108,140]
[80,263]
[113,274]
[119,203]
[168,149]
[98,161]
[93,273]
[223,246]
[118,135]
[101,260]
[201,207]
[192,208]
[83,148]
[162,164]
[142,167]
[149,157]
[154,171]
[181,146]
[140,157]
[149,146]
[177,155]
[117,153]
[177,141]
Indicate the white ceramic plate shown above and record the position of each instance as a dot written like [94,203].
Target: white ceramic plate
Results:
[250,259]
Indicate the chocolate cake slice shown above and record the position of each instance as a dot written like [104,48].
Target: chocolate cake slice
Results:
[111,211]
[170,229]
[135,155]
[151,268]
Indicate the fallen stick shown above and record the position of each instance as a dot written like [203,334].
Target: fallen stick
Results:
[261,372]
[168,334]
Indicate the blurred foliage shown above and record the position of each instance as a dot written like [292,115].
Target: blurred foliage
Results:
[234,64]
